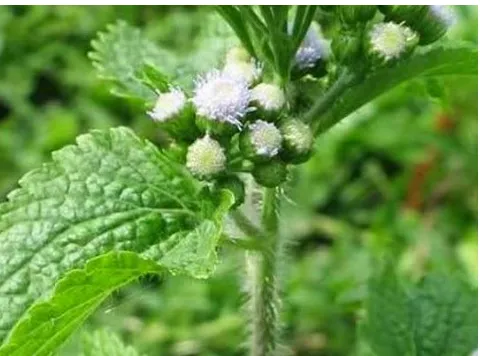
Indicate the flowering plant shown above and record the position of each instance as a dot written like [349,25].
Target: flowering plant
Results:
[114,207]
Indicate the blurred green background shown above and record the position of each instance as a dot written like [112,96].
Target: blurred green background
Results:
[398,176]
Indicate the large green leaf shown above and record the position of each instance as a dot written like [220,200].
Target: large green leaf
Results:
[459,59]
[110,192]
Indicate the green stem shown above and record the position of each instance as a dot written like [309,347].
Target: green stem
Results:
[314,116]
[262,280]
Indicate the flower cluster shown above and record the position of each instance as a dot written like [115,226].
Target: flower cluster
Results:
[234,122]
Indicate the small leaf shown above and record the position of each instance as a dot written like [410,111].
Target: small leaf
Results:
[445,317]
[389,324]
[121,53]
[105,343]
[436,318]
[110,192]
[436,61]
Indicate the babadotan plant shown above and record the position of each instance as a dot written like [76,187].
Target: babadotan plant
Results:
[114,207]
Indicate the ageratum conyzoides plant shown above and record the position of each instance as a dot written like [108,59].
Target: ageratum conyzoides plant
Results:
[114,206]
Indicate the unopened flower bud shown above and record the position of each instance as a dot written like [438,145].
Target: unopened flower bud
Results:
[270,174]
[260,141]
[174,114]
[221,101]
[269,99]
[389,41]
[233,184]
[353,14]
[408,14]
[435,23]
[238,54]
[205,158]
[346,46]
[250,71]
[297,141]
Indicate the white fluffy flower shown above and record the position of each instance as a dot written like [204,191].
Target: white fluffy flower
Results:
[221,97]
[269,97]
[205,157]
[313,48]
[390,40]
[266,138]
[248,71]
[444,13]
[168,105]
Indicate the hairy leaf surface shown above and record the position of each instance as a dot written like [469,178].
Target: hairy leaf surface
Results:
[105,343]
[110,192]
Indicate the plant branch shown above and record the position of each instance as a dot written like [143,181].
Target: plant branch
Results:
[314,116]
[262,280]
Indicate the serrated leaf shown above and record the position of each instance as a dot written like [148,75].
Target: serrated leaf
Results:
[459,59]
[389,324]
[110,192]
[105,343]
[122,53]
[446,313]
[436,318]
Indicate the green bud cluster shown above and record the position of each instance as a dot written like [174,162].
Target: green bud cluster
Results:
[365,40]
[235,123]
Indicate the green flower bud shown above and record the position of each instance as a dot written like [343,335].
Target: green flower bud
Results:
[346,47]
[353,14]
[297,141]
[389,41]
[409,14]
[269,100]
[205,158]
[235,185]
[175,115]
[260,141]
[237,54]
[270,174]
[430,21]
[434,24]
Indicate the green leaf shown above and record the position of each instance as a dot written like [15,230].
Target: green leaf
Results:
[446,313]
[121,55]
[437,61]
[105,343]
[110,192]
[389,325]
[436,318]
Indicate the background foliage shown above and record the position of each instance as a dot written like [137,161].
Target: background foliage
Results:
[397,177]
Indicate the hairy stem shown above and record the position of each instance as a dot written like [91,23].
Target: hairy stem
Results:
[262,283]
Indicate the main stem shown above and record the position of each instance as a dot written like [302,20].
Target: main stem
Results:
[262,280]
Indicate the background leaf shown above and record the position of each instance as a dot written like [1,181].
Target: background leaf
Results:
[105,343]
[111,192]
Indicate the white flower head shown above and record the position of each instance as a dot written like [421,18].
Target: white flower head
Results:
[299,135]
[390,40]
[249,71]
[269,97]
[266,138]
[221,97]
[238,54]
[205,157]
[443,13]
[313,48]
[168,105]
